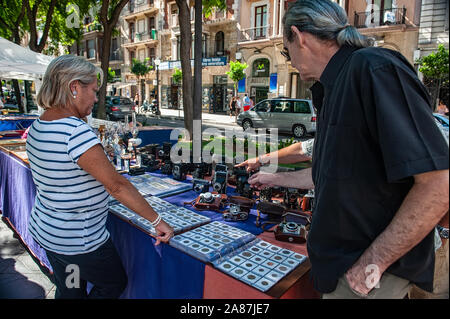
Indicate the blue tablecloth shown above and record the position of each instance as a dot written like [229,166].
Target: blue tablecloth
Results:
[16,122]
[153,272]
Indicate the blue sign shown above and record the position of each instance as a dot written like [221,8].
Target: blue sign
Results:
[273,82]
[241,86]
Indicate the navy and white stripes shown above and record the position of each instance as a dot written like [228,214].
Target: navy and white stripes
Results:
[71,207]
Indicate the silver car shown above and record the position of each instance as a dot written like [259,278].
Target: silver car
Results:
[294,116]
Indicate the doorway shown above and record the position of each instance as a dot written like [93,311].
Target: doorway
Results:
[259,93]
[174,97]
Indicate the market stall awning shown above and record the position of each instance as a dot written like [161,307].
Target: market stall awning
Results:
[17,62]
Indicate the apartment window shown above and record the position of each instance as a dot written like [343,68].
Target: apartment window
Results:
[220,41]
[260,21]
[132,57]
[131,5]
[174,16]
[141,53]
[151,54]
[132,30]
[90,49]
[151,23]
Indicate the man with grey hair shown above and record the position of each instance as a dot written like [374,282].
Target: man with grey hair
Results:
[380,164]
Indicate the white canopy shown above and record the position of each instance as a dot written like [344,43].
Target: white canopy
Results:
[17,62]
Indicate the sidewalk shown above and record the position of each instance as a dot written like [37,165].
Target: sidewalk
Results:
[223,119]
[21,277]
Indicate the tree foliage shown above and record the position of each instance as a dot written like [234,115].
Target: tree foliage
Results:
[236,72]
[435,65]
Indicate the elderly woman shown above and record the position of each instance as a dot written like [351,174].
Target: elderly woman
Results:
[73,177]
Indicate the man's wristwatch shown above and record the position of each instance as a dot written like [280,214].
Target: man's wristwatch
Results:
[443,232]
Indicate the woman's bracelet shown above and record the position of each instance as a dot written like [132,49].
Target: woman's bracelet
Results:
[156,221]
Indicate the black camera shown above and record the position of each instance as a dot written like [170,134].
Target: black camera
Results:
[200,185]
[179,171]
[166,168]
[151,149]
[163,151]
[149,162]
[291,198]
[219,182]
[200,170]
[243,188]
[266,194]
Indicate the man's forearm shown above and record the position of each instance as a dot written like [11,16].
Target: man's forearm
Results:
[288,155]
[423,207]
[299,179]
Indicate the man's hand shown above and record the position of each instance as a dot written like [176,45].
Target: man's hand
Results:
[362,278]
[251,164]
[262,180]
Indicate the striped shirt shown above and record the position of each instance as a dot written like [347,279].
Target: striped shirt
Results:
[71,207]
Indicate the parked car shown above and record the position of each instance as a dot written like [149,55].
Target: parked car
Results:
[116,108]
[296,116]
[443,123]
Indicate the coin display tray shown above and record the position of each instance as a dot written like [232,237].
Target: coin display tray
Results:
[180,218]
[211,241]
[147,184]
[259,264]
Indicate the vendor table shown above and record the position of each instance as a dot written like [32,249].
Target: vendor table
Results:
[153,271]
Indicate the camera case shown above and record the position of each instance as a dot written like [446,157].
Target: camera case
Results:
[208,201]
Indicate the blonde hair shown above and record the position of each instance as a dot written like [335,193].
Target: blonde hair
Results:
[61,72]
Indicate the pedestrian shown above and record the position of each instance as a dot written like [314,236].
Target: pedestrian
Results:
[73,177]
[136,100]
[380,165]
[246,102]
[233,106]
[238,105]
[442,108]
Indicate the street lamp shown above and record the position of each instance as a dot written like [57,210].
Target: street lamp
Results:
[157,63]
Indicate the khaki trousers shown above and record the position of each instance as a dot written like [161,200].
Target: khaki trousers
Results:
[390,287]
[441,278]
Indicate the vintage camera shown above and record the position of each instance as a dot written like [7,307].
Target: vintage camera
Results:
[149,162]
[134,171]
[163,151]
[234,214]
[219,182]
[265,194]
[166,168]
[180,170]
[208,198]
[239,208]
[243,188]
[291,232]
[200,185]
[151,149]
[308,201]
[200,170]
[291,198]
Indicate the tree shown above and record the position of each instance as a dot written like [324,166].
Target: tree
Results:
[108,17]
[434,67]
[140,69]
[236,73]
[185,55]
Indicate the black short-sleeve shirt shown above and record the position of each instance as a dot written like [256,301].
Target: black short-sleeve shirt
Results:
[375,130]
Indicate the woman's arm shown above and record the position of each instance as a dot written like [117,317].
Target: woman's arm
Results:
[95,162]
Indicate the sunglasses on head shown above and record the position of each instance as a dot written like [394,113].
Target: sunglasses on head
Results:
[285,53]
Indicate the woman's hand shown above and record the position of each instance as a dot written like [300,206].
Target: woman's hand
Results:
[163,232]
[251,164]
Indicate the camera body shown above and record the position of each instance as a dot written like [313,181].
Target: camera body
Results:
[150,162]
[163,152]
[266,194]
[291,232]
[166,168]
[200,185]
[235,214]
[243,188]
[220,179]
[200,170]
[180,170]
[291,198]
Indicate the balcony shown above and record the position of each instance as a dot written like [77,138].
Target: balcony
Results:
[137,10]
[143,38]
[378,18]
[91,27]
[116,56]
[254,34]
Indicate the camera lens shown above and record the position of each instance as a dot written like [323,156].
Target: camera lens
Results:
[292,227]
[197,188]
[217,187]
